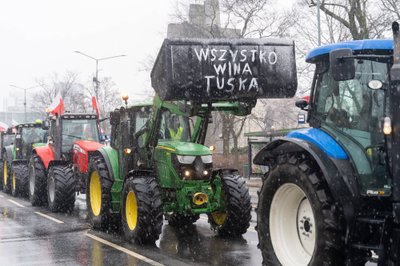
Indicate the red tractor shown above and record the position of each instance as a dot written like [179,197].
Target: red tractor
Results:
[59,169]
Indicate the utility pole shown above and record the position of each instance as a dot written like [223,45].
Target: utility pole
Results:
[318,5]
[96,78]
[25,89]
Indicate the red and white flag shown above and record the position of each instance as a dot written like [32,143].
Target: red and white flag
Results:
[95,106]
[57,106]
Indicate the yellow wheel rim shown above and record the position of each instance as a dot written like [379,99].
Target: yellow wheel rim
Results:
[14,182]
[95,193]
[131,210]
[5,173]
[219,217]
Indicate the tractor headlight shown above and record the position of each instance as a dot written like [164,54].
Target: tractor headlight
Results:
[186,159]
[191,167]
[206,158]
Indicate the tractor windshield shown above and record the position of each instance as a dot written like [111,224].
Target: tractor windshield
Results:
[32,135]
[352,111]
[174,127]
[82,129]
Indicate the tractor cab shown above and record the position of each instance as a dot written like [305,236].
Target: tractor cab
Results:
[69,129]
[28,136]
[350,101]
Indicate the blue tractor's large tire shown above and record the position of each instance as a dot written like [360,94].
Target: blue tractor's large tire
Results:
[298,222]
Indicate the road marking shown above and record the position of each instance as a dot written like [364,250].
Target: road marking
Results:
[125,250]
[16,203]
[49,217]
[1,196]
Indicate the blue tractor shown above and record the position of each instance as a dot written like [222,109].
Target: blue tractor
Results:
[332,195]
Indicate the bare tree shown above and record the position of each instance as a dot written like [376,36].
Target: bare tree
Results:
[108,97]
[71,91]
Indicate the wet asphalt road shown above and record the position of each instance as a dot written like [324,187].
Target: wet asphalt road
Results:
[35,236]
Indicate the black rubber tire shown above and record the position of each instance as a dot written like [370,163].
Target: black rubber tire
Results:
[237,207]
[61,188]
[1,171]
[6,175]
[305,174]
[178,220]
[103,219]
[37,182]
[149,208]
[21,172]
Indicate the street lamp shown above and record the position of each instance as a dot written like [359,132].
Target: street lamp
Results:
[96,79]
[318,4]
[25,89]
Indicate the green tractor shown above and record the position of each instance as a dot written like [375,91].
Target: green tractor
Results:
[7,138]
[158,163]
[16,156]
[58,169]
[336,185]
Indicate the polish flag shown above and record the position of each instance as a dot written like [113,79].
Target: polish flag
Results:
[57,106]
[3,127]
[95,106]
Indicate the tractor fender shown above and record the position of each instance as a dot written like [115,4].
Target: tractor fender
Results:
[81,151]
[339,174]
[45,153]
[110,157]
[8,150]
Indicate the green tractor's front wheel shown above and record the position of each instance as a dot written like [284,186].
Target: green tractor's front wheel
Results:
[235,219]
[6,176]
[298,222]
[142,214]
[19,180]
[98,194]
[61,188]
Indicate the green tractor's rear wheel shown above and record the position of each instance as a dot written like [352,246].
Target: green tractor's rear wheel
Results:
[298,223]
[142,214]
[37,182]
[235,219]
[6,175]
[98,194]
[177,220]
[61,188]
[20,180]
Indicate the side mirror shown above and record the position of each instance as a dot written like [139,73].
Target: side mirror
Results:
[45,125]
[341,64]
[115,118]
[302,104]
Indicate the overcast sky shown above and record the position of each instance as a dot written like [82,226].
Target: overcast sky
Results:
[39,37]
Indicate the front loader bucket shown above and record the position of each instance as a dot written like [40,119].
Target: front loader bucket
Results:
[224,69]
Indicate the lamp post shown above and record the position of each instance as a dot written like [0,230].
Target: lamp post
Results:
[96,78]
[318,4]
[25,89]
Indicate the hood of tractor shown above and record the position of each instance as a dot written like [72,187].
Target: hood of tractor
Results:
[87,145]
[183,148]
